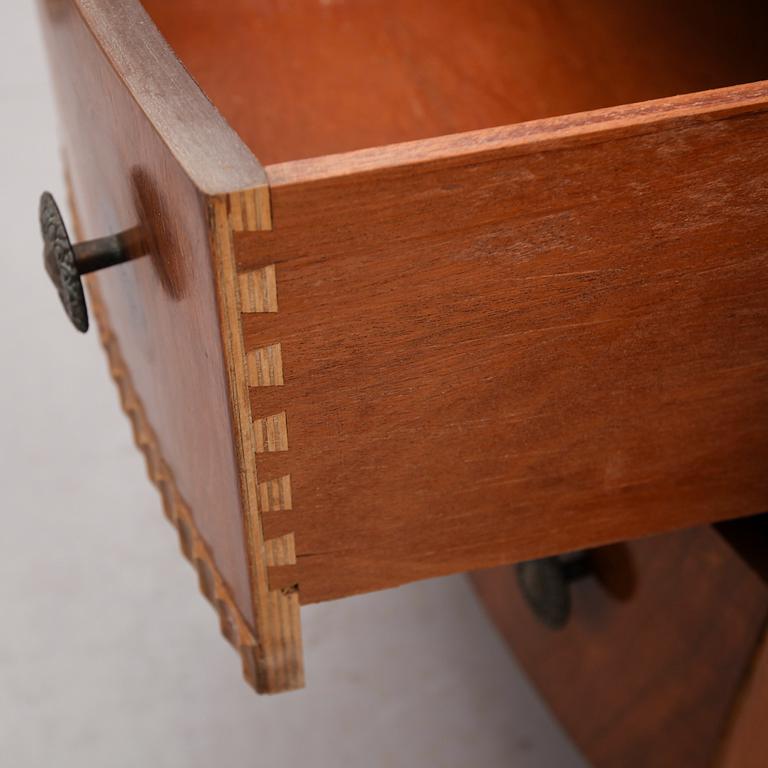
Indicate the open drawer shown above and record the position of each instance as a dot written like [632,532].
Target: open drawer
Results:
[413,342]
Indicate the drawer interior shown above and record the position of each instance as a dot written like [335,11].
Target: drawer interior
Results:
[316,77]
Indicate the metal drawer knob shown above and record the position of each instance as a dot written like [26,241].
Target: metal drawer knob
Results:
[65,263]
[545,585]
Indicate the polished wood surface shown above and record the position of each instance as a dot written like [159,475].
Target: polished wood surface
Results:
[415,359]
[277,605]
[233,624]
[124,175]
[650,680]
[146,149]
[300,79]
[520,341]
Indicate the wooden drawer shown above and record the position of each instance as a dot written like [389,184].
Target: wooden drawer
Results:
[656,665]
[412,343]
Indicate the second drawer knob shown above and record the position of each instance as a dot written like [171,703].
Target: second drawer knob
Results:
[545,584]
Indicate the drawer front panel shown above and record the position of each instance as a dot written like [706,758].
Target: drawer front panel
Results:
[145,150]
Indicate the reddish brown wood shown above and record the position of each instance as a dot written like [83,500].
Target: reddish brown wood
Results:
[124,175]
[311,78]
[146,150]
[652,680]
[510,343]
[448,354]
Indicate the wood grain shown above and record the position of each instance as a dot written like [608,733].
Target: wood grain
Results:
[650,681]
[146,149]
[306,79]
[232,623]
[521,341]
[277,605]
[440,355]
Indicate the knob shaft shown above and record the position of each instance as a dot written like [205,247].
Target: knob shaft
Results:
[65,263]
[545,585]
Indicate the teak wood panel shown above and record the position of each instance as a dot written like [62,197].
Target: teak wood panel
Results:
[506,344]
[442,357]
[145,148]
[214,587]
[651,669]
[302,79]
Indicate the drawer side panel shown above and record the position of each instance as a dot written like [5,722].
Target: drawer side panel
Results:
[521,342]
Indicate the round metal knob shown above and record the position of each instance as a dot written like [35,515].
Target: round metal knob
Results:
[65,263]
[545,585]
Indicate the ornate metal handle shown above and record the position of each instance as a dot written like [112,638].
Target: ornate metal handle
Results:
[65,263]
[545,585]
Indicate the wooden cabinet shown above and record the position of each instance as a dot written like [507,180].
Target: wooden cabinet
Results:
[663,661]
[481,300]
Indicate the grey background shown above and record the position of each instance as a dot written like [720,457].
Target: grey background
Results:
[109,656]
